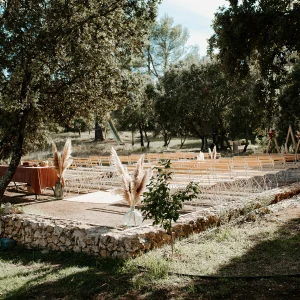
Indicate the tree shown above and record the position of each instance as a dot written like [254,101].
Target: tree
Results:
[166,112]
[138,114]
[256,34]
[195,99]
[251,110]
[61,60]
[259,37]
[161,204]
[167,45]
[289,102]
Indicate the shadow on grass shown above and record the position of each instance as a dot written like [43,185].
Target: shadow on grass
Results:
[275,258]
[65,276]
[96,278]
[259,274]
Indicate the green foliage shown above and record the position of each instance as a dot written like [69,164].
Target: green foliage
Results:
[199,96]
[57,59]
[167,46]
[256,34]
[254,107]
[62,60]
[139,110]
[160,204]
[289,102]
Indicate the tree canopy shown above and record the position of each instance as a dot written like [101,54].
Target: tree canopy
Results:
[289,102]
[167,46]
[260,34]
[199,96]
[63,59]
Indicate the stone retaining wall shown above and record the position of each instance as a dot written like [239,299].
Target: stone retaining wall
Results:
[35,231]
[65,235]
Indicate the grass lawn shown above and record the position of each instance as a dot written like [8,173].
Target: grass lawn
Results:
[263,253]
[236,261]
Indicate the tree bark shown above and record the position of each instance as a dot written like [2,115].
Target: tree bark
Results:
[167,139]
[98,132]
[19,133]
[16,154]
[201,136]
[147,138]
[215,139]
[246,145]
[141,136]
[227,143]
[132,137]
[182,140]
[202,143]
[205,142]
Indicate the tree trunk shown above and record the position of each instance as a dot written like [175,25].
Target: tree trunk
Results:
[147,138]
[98,132]
[227,143]
[141,136]
[182,140]
[221,142]
[214,134]
[246,145]
[205,142]
[167,139]
[202,143]
[16,154]
[132,137]
[196,131]
[76,127]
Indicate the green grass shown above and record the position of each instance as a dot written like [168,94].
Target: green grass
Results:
[29,274]
[249,249]
[258,248]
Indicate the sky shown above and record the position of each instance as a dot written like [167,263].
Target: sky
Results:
[195,15]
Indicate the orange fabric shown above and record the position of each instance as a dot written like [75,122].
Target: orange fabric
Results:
[38,177]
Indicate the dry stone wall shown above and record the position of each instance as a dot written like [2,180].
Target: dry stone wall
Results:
[34,231]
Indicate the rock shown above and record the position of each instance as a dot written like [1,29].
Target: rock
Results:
[76,249]
[103,253]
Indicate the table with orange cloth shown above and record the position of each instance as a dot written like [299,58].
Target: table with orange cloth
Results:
[38,177]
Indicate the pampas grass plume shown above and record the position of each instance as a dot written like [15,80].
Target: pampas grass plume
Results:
[61,161]
[135,185]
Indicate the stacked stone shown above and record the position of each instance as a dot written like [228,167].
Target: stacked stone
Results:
[34,231]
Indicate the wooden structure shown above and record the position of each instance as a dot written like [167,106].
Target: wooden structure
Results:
[272,138]
[290,134]
[298,144]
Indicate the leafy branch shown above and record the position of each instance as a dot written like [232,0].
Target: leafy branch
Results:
[160,204]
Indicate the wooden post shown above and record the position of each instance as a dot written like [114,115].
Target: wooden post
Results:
[290,133]
[272,138]
[298,145]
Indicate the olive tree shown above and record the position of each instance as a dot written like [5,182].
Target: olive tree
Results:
[256,33]
[63,59]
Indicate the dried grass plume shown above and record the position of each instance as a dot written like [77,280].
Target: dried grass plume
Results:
[61,161]
[133,186]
